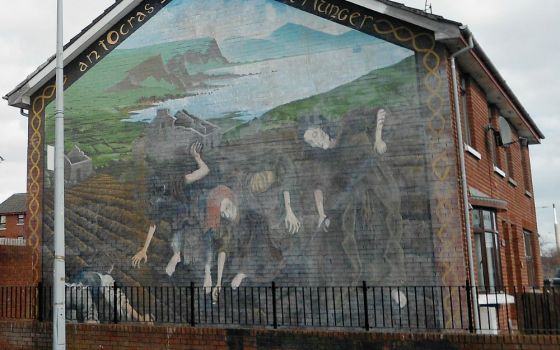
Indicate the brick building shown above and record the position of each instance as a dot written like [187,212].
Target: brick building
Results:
[339,158]
[12,217]
[15,255]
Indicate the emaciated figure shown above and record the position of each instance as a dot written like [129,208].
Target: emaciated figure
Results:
[357,200]
[168,202]
[93,293]
[268,221]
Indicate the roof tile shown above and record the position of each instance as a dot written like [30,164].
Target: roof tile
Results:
[16,203]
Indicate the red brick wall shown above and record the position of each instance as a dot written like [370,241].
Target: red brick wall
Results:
[15,266]
[23,335]
[12,230]
[15,261]
[515,188]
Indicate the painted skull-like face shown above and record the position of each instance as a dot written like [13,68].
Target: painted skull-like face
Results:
[228,210]
[317,138]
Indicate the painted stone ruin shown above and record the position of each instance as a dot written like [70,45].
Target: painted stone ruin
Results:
[274,145]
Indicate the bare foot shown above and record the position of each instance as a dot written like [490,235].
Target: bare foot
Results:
[207,282]
[175,259]
[215,294]
[236,282]
[399,298]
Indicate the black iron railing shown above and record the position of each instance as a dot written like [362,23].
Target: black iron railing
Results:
[387,308]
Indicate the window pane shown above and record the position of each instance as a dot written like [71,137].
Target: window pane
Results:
[479,260]
[491,254]
[465,112]
[476,218]
[487,217]
[528,246]
[531,272]
[529,258]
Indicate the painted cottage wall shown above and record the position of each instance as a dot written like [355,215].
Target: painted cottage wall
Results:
[245,142]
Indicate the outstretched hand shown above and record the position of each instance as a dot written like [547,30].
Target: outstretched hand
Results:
[195,150]
[380,146]
[137,259]
[292,223]
[215,294]
[324,223]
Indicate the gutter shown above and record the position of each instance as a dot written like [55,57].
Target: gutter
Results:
[485,60]
[464,188]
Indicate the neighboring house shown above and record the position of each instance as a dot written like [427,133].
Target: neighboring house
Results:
[15,252]
[12,220]
[407,158]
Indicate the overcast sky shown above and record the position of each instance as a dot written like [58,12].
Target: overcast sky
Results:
[519,36]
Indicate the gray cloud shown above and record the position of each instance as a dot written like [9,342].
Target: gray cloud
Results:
[518,37]
[27,39]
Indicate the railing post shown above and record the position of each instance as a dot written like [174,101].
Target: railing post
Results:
[274,319]
[192,304]
[40,302]
[469,306]
[366,313]
[115,308]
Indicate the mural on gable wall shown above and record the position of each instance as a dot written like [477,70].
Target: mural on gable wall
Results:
[244,142]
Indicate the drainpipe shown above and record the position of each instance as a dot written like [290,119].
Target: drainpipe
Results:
[556,229]
[59,273]
[464,187]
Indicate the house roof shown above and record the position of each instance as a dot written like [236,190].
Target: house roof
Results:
[451,33]
[68,45]
[16,203]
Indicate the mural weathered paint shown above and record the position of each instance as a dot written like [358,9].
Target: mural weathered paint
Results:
[243,142]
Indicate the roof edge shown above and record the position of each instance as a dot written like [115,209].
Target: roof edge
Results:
[486,60]
[444,30]
[72,49]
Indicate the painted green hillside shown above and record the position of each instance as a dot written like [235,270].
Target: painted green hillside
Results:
[126,80]
[390,86]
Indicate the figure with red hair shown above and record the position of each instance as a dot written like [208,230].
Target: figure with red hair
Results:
[222,212]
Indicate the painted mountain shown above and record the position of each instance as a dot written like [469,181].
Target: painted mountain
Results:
[183,69]
[389,87]
[241,73]
[292,40]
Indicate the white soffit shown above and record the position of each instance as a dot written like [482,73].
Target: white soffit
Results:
[441,30]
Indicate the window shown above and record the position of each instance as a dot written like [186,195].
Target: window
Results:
[465,112]
[21,219]
[529,258]
[2,222]
[509,161]
[524,149]
[487,249]
[507,141]
[491,140]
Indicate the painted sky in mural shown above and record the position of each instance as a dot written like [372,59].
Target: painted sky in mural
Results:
[277,56]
